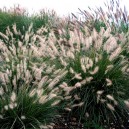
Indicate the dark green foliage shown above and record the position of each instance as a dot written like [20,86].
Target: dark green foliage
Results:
[34,114]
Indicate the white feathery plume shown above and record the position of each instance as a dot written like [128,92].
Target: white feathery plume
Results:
[110,44]
[115,53]
[89,79]
[6,107]
[78,76]
[77,85]
[71,70]
[94,34]
[78,105]
[100,92]
[63,62]
[110,97]
[53,83]
[23,117]
[70,55]
[94,71]
[109,82]
[68,90]
[76,97]
[42,81]
[39,92]
[109,67]
[13,97]
[43,99]
[32,93]
[126,103]
[67,97]
[110,107]
[4,36]
[11,106]
[1,91]
[55,103]
[51,96]
[62,86]
[67,109]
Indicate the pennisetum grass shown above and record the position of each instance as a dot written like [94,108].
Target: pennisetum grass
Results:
[29,97]
[79,65]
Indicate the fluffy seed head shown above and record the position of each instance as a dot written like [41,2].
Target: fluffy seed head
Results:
[110,107]
[109,82]
[13,97]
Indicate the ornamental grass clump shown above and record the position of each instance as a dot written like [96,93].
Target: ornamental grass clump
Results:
[112,15]
[29,97]
[23,19]
[96,84]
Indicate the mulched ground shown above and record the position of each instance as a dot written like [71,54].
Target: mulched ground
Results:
[72,123]
[67,123]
